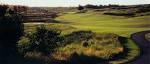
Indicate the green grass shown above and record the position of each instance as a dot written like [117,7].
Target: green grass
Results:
[123,26]
[97,22]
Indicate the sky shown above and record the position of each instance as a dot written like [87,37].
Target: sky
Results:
[70,3]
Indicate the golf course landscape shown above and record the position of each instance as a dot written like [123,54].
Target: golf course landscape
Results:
[89,34]
[103,24]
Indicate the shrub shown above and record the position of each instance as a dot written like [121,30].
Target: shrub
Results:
[77,36]
[42,40]
[23,45]
[80,7]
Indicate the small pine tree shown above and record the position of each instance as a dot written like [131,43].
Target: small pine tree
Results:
[80,8]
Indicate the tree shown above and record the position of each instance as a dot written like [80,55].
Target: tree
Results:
[19,9]
[80,8]
[11,28]
[92,6]
[143,9]
[3,9]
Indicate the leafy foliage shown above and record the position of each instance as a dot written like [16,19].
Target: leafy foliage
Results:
[142,9]
[11,28]
[42,40]
[3,9]
[77,36]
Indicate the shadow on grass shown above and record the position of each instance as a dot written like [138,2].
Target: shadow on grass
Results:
[82,59]
[10,55]
[11,28]
[46,21]
[56,21]
[123,41]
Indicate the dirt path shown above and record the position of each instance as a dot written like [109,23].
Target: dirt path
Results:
[144,45]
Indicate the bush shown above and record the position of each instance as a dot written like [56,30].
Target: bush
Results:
[80,7]
[23,45]
[42,40]
[77,36]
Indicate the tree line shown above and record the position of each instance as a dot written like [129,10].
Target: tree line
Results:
[91,6]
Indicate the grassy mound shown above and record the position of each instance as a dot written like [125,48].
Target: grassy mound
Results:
[99,23]
[80,43]
[90,44]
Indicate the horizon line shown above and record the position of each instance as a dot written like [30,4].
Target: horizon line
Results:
[74,6]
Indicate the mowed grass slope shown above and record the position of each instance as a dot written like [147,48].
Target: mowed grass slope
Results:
[97,22]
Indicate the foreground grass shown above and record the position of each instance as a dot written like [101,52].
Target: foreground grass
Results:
[131,52]
[102,46]
[74,45]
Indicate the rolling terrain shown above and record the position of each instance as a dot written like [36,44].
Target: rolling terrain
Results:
[99,23]
[90,34]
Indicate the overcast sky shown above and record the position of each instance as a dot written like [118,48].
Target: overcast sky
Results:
[64,3]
